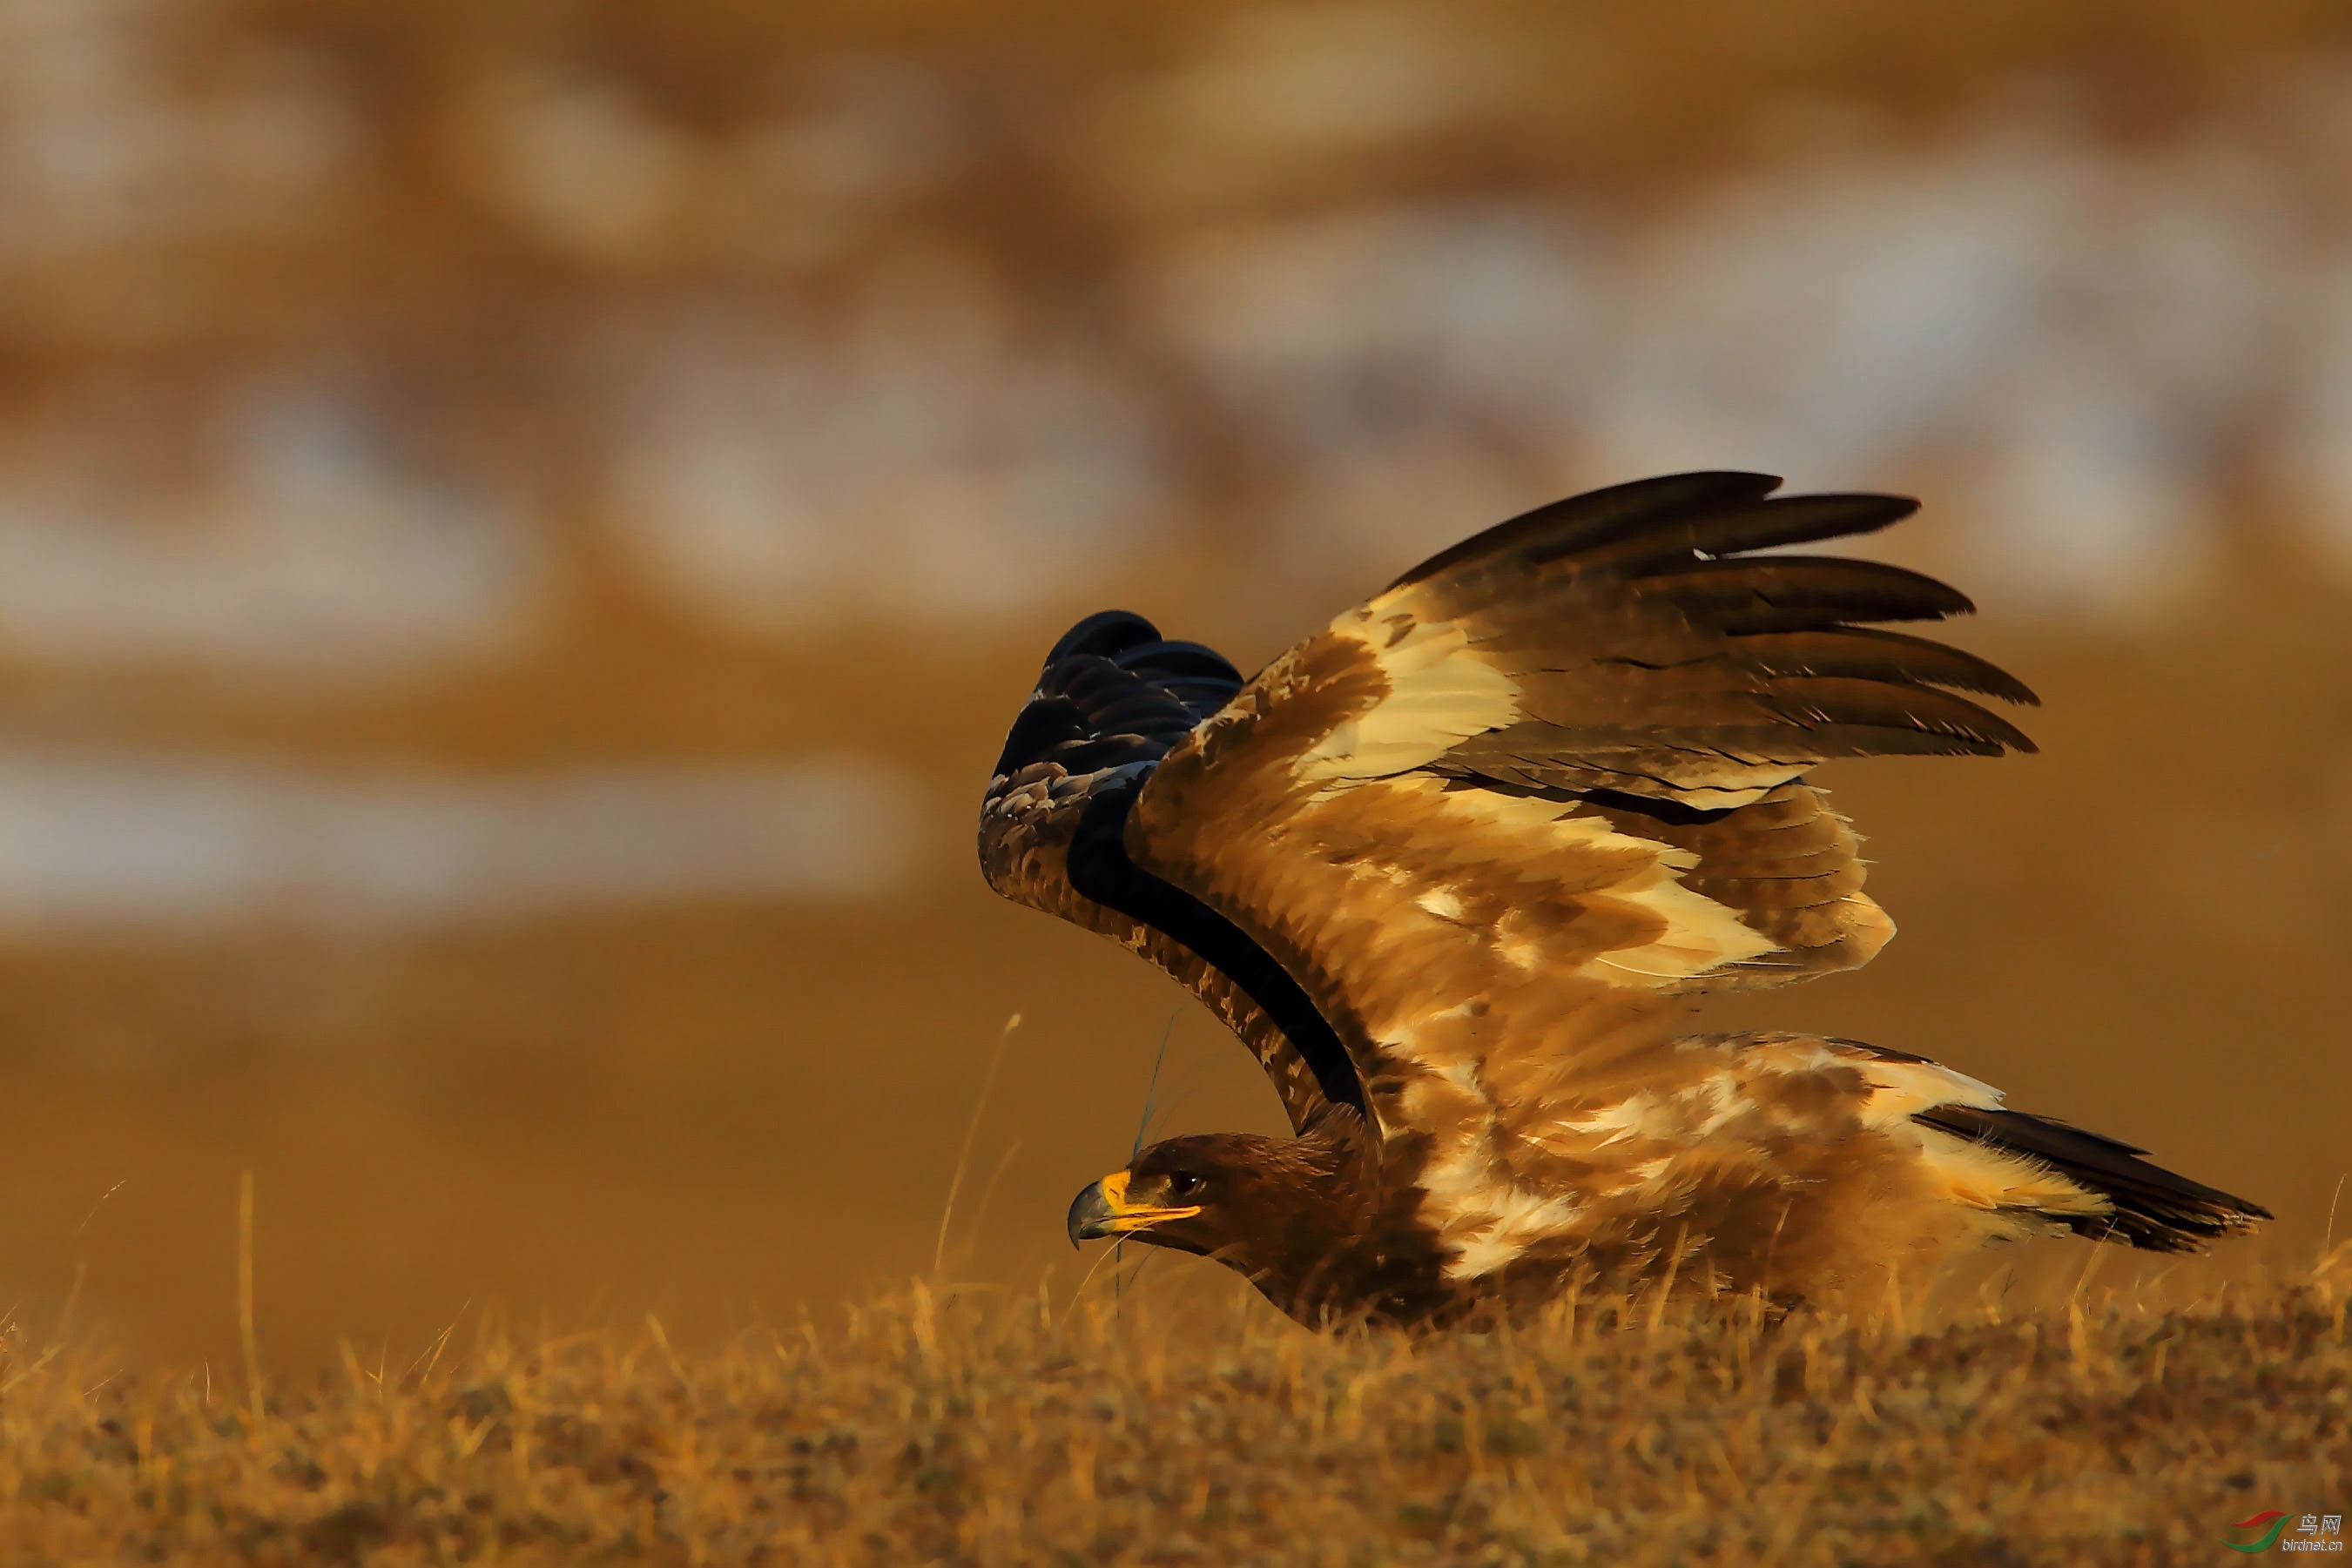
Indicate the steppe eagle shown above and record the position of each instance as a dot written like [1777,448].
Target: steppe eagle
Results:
[1453,868]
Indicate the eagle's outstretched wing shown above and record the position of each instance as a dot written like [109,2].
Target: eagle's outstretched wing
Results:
[1495,820]
[1113,697]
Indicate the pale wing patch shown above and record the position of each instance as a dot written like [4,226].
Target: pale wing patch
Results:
[1688,1116]
[1521,950]
[1488,1219]
[1752,784]
[1901,1090]
[1441,903]
[1515,1221]
[1493,1220]
[1640,1114]
[1896,1088]
[1467,1199]
[1866,926]
[1977,1177]
[1439,694]
[1700,934]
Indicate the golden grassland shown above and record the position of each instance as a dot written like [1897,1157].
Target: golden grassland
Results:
[982,1427]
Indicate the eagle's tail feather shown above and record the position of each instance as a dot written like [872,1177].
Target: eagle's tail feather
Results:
[2151,1209]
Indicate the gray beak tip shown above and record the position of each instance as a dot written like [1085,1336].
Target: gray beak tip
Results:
[1090,1211]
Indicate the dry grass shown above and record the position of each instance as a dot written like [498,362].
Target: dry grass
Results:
[964,1429]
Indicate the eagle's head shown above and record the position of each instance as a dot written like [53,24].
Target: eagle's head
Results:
[1291,1214]
[1197,1195]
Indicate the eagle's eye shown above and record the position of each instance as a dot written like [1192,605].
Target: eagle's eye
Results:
[1184,1183]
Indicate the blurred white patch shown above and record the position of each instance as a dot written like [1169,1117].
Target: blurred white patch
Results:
[2097,446]
[1360,518]
[99,145]
[112,841]
[866,136]
[1816,321]
[869,129]
[591,167]
[1408,368]
[918,458]
[1340,331]
[581,160]
[292,537]
[1272,94]
[1331,77]
[2081,501]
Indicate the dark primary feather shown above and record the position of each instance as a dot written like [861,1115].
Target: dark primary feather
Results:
[1875,716]
[1772,523]
[1866,652]
[1739,596]
[2154,1210]
[1597,518]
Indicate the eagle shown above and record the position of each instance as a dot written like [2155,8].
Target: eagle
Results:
[1453,867]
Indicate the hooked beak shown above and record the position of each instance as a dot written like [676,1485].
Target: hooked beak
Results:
[1103,1210]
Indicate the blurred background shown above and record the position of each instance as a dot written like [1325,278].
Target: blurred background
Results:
[522,527]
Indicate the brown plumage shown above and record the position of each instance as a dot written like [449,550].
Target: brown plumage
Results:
[1453,868]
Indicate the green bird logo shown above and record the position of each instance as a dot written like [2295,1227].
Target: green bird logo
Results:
[2273,1517]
